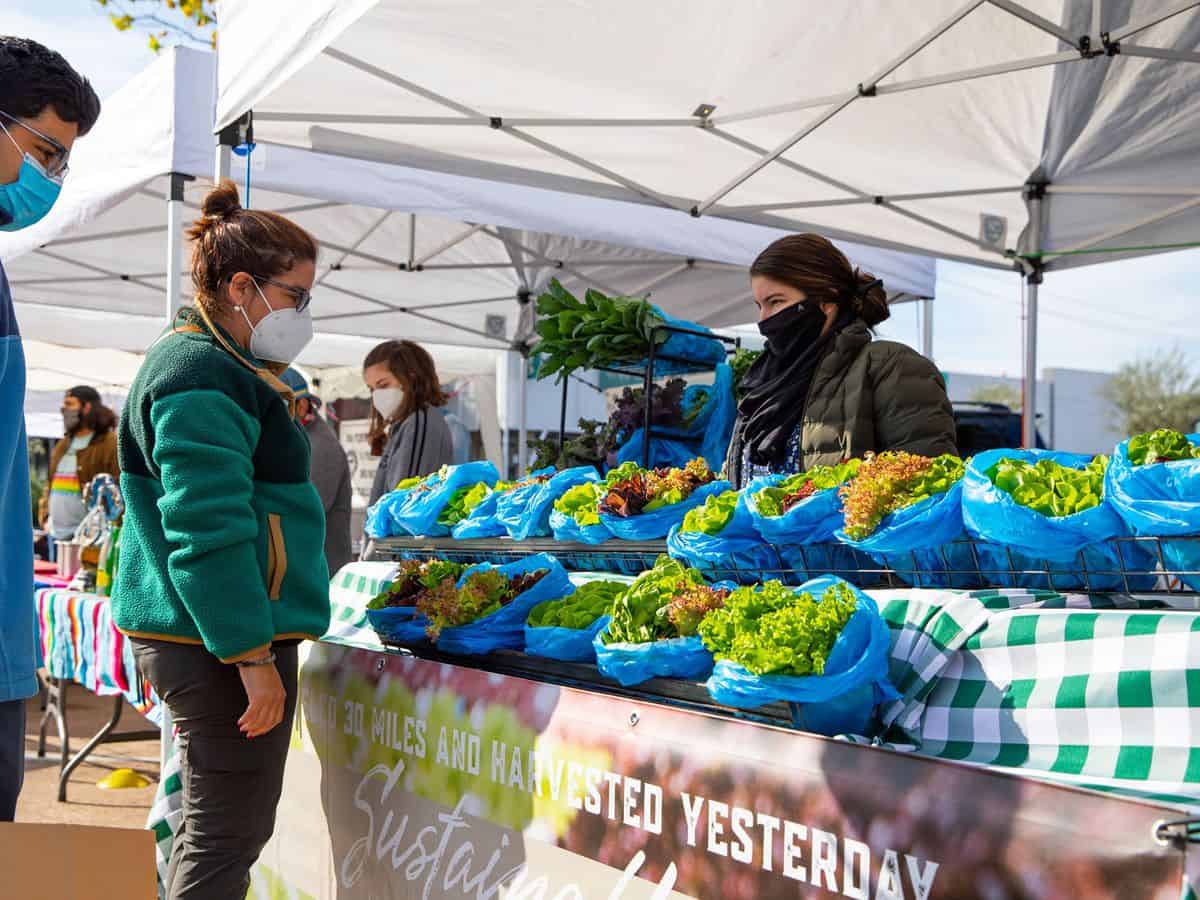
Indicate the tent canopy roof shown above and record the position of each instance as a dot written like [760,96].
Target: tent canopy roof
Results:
[424,253]
[894,123]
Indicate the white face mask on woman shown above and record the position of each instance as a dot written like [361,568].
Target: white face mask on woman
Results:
[281,334]
[388,400]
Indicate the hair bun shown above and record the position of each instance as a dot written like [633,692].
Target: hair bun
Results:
[222,201]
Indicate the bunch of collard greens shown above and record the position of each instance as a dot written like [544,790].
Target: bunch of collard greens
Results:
[599,331]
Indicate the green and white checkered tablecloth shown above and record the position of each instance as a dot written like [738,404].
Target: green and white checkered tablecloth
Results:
[1093,691]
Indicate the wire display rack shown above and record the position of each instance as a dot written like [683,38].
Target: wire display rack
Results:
[657,365]
[1131,565]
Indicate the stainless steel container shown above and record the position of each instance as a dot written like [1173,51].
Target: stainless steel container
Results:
[69,556]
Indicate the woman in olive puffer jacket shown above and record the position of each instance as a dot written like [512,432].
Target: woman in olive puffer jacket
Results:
[824,390]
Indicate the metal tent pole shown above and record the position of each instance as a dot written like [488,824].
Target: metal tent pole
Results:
[239,131]
[174,243]
[1035,193]
[927,327]
[522,413]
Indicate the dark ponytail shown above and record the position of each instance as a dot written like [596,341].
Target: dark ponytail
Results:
[811,263]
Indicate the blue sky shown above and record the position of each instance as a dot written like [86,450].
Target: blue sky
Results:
[1096,317]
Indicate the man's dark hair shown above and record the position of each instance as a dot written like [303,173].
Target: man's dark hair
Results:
[33,77]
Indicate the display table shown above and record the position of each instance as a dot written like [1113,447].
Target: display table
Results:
[80,645]
[1067,687]
[997,686]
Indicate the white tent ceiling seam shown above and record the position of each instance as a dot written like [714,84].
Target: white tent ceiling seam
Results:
[943,51]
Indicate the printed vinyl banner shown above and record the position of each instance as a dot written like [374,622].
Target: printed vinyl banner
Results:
[415,779]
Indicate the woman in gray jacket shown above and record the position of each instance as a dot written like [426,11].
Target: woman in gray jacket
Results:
[407,431]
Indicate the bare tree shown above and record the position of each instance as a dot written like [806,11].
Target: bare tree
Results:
[1004,394]
[165,22]
[1156,392]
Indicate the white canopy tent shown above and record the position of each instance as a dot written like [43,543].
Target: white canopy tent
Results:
[1035,134]
[406,252]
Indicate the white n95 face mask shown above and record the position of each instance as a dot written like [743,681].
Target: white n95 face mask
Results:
[388,400]
[281,334]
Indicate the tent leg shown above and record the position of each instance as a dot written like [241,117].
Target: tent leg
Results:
[522,413]
[174,244]
[1029,384]
[1035,200]
[222,163]
[927,327]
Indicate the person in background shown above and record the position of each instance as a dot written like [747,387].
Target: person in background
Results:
[824,390]
[222,566]
[407,431]
[460,435]
[329,471]
[88,448]
[45,105]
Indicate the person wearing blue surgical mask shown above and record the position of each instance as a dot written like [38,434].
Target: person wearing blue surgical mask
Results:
[45,105]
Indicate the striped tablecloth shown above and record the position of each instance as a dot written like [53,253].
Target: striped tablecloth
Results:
[78,642]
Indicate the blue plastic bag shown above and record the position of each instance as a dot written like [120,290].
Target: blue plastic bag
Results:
[566,644]
[398,624]
[804,536]
[1159,500]
[631,664]
[923,542]
[686,352]
[525,512]
[715,423]
[504,629]
[381,518]
[418,514]
[657,524]
[842,700]
[482,522]
[1019,539]
[673,452]
[706,436]
[565,528]
[738,552]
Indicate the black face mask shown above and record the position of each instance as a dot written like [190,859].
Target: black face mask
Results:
[793,328]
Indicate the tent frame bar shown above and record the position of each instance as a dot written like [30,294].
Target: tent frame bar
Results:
[419,262]
[434,97]
[1161,16]
[335,266]
[1042,24]
[1159,53]
[100,270]
[409,311]
[1127,227]
[879,199]
[477,120]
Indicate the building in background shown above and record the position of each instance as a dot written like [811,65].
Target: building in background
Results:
[1073,413]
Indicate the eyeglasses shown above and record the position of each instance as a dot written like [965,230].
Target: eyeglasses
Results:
[302,296]
[57,165]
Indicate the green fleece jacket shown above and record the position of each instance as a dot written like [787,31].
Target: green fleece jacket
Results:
[223,541]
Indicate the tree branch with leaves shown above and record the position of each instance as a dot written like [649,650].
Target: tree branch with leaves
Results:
[1161,391]
[165,22]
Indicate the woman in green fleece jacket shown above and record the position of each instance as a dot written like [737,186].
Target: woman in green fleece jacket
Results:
[222,565]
